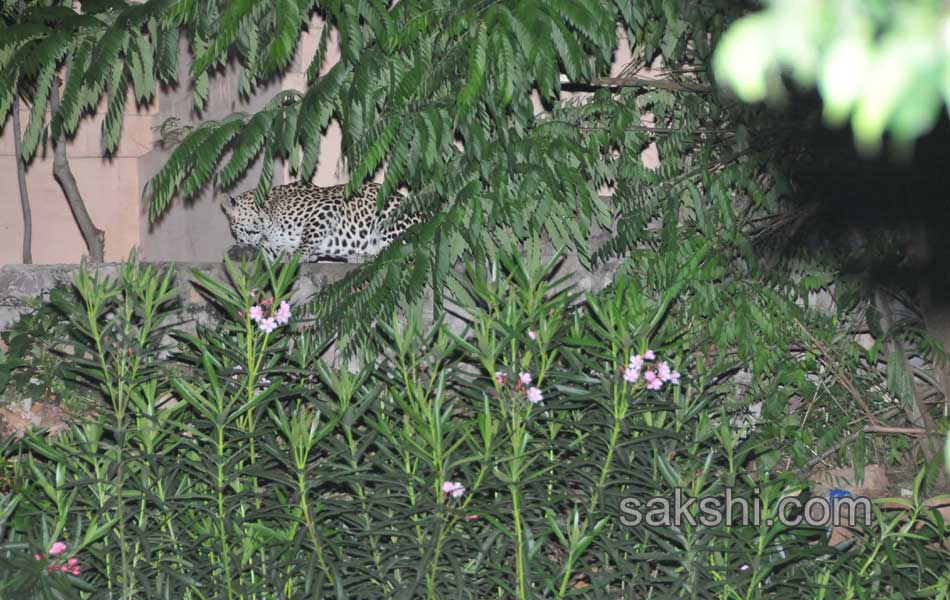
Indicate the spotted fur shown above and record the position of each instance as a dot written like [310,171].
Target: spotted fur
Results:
[315,222]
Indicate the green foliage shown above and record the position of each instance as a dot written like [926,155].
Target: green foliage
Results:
[106,49]
[444,94]
[239,463]
[885,66]
[32,366]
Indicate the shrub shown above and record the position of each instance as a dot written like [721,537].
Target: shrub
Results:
[486,454]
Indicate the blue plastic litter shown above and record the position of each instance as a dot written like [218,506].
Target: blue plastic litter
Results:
[838,493]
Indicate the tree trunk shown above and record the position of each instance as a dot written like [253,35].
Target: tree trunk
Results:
[21,182]
[94,237]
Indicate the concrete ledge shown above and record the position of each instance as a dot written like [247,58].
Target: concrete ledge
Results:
[20,285]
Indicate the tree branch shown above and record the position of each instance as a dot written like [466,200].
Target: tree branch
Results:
[621,82]
[842,378]
[21,183]
[94,237]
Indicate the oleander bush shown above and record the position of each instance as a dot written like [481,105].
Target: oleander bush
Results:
[30,367]
[487,454]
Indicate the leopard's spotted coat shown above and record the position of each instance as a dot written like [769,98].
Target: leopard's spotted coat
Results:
[315,222]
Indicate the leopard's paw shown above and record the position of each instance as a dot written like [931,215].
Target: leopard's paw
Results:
[242,252]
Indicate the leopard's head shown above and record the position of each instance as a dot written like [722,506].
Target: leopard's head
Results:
[247,220]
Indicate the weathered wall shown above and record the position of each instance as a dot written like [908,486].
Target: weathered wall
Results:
[111,189]
[195,229]
[21,284]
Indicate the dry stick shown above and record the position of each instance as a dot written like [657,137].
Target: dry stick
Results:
[850,438]
[21,183]
[903,430]
[662,84]
[845,381]
[917,412]
[93,236]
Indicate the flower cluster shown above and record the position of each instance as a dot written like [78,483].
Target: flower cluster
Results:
[454,488]
[71,566]
[654,377]
[268,323]
[523,385]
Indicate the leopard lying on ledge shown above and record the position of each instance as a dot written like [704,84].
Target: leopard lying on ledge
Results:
[314,222]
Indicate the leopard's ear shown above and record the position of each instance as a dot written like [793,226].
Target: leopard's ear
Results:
[227,202]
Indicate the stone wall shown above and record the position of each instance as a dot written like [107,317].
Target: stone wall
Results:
[22,284]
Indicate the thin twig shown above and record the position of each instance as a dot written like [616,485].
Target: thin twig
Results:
[903,430]
[662,84]
[842,378]
[850,438]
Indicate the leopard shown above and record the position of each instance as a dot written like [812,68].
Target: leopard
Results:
[315,223]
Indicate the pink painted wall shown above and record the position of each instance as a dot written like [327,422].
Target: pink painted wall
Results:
[110,187]
[194,230]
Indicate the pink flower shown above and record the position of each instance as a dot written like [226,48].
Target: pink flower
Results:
[534,395]
[500,378]
[675,377]
[663,370]
[268,325]
[524,378]
[283,313]
[38,556]
[267,302]
[649,355]
[257,313]
[533,335]
[57,548]
[653,380]
[636,362]
[453,487]
[471,517]
[631,375]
